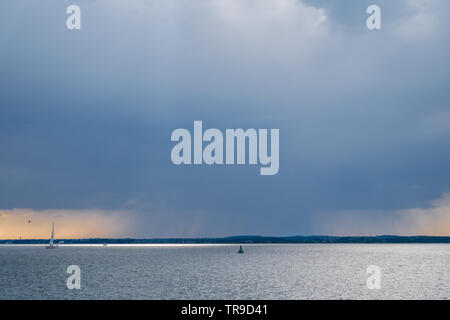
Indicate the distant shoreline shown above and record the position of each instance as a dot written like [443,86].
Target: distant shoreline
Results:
[245,239]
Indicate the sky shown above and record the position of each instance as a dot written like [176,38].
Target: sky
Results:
[86,117]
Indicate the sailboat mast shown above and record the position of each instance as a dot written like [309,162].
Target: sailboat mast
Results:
[53,229]
[51,245]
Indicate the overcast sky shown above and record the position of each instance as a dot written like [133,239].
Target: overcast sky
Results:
[86,117]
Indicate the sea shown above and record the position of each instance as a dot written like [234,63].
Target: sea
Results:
[263,271]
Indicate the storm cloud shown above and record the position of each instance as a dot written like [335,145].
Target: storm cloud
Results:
[86,115]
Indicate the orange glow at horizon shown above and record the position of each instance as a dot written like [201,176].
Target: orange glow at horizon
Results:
[69,224]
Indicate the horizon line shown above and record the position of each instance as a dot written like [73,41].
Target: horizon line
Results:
[233,236]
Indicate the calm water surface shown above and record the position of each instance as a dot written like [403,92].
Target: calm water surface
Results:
[297,271]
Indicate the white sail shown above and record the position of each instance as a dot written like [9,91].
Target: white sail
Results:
[51,245]
[53,230]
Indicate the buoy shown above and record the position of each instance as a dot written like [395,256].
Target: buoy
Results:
[241,250]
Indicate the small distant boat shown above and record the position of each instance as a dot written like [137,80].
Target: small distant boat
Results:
[51,245]
[241,250]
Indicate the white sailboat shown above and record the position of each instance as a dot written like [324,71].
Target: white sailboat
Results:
[51,245]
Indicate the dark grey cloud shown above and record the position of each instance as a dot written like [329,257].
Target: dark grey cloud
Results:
[86,116]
